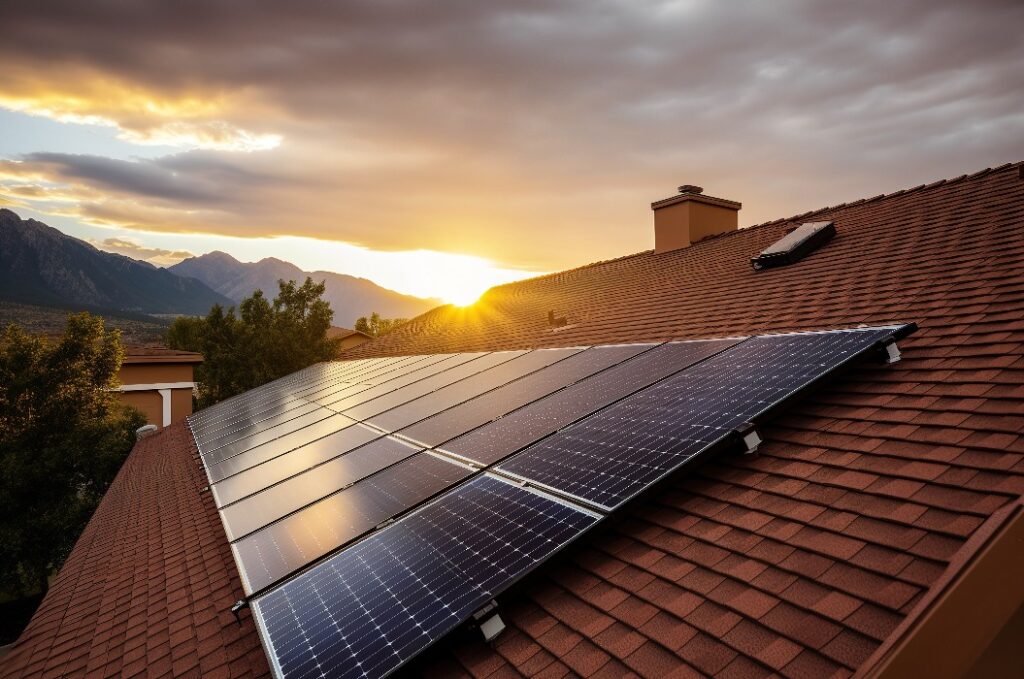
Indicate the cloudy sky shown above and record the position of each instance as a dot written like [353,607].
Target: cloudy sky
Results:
[435,146]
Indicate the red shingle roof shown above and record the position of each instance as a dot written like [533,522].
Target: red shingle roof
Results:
[801,560]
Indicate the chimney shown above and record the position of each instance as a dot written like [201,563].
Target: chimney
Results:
[682,220]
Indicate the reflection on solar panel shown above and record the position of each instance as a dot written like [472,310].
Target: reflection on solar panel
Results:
[609,457]
[277,550]
[500,438]
[373,607]
[485,408]
[256,511]
[463,390]
[257,452]
[361,548]
[268,472]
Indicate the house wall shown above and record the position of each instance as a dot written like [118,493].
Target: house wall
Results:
[150,401]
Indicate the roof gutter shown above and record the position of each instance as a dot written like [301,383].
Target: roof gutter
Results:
[951,627]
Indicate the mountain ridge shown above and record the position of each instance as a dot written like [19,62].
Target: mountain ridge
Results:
[350,296]
[42,265]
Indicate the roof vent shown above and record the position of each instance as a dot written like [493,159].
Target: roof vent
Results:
[556,322]
[795,245]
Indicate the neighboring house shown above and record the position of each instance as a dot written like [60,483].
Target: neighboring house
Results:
[159,382]
[349,338]
[877,532]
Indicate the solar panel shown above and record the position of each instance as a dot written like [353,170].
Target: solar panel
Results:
[500,438]
[270,449]
[239,430]
[609,457]
[342,400]
[463,390]
[361,548]
[493,404]
[272,503]
[268,472]
[377,405]
[335,392]
[258,437]
[277,550]
[374,606]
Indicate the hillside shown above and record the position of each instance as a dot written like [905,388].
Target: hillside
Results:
[40,265]
[350,297]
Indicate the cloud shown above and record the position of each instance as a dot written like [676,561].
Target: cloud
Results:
[532,133]
[135,250]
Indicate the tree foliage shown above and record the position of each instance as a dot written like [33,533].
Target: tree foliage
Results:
[259,342]
[375,326]
[63,436]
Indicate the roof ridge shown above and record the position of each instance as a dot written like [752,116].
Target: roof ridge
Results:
[781,220]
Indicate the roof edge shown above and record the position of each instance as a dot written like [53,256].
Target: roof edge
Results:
[944,635]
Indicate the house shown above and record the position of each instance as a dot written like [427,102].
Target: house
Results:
[877,532]
[349,338]
[159,382]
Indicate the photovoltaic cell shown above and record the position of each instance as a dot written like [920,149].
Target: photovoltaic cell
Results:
[493,404]
[463,390]
[340,390]
[272,553]
[277,501]
[612,455]
[268,472]
[279,446]
[500,438]
[372,607]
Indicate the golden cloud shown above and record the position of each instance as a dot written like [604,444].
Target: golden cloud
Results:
[141,116]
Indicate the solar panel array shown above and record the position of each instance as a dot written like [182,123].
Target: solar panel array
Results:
[374,505]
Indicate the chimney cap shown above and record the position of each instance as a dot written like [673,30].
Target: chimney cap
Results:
[691,188]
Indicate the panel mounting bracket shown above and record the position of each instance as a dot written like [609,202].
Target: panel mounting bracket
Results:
[749,438]
[892,353]
[489,622]
[236,609]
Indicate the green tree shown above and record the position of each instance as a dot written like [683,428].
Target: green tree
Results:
[261,341]
[375,326]
[63,435]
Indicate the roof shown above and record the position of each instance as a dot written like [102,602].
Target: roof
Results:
[150,355]
[342,333]
[802,560]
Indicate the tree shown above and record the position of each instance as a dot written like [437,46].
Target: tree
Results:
[63,435]
[260,342]
[375,326]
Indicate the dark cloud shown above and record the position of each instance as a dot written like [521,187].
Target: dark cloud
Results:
[537,132]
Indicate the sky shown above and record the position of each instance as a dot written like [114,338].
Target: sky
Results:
[439,148]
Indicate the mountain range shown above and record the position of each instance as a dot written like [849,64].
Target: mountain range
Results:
[350,297]
[40,265]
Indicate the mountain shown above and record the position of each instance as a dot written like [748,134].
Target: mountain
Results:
[41,265]
[350,297]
